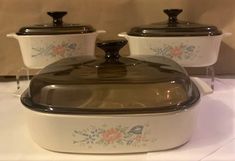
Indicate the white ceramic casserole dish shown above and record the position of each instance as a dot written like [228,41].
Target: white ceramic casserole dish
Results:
[112,105]
[44,44]
[189,44]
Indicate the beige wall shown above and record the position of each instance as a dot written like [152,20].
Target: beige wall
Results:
[114,16]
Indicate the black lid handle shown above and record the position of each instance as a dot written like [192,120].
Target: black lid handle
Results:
[172,14]
[111,48]
[57,17]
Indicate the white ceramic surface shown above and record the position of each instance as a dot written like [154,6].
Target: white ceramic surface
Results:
[123,133]
[40,50]
[111,133]
[194,51]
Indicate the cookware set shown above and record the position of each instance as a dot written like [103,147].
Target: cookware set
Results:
[144,102]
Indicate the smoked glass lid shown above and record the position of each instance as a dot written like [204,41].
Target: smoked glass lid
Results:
[56,27]
[111,85]
[174,27]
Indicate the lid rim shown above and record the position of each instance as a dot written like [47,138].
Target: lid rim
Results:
[171,35]
[174,27]
[166,32]
[27,102]
[58,33]
[56,27]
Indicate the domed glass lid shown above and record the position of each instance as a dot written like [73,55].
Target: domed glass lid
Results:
[174,27]
[111,85]
[56,27]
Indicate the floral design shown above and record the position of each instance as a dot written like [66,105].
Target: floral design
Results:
[120,135]
[64,49]
[181,51]
[111,135]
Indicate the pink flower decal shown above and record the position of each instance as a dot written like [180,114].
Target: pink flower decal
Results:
[176,51]
[59,50]
[112,135]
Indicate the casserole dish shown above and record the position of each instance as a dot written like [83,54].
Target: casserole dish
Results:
[46,43]
[113,104]
[189,44]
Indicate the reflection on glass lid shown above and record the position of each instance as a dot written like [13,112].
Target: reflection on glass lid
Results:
[56,27]
[174,27]
[111,85]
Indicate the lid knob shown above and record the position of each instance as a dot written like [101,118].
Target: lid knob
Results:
[112,67]
[172,14]
[111,48]
[57,17]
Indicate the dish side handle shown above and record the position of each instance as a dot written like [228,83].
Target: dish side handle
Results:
[203,87]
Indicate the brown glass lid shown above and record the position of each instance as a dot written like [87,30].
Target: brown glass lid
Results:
[111,85]
[174,27]
[56,27]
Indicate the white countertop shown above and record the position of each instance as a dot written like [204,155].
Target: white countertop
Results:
[213,139]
